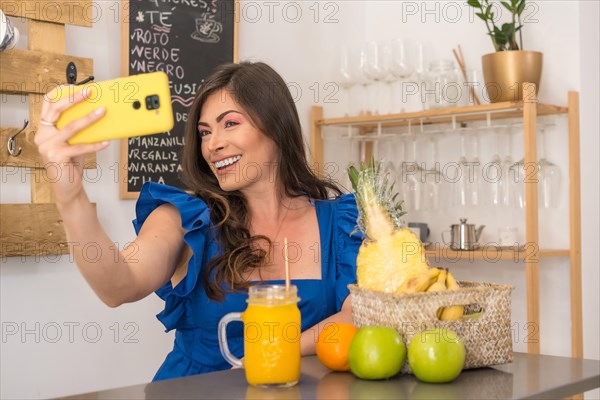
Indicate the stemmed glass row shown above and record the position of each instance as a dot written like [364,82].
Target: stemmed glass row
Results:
[423,183]
[370,74]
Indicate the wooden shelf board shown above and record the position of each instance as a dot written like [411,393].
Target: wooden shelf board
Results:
[34,71]
[444,115]
[490,253]
[30,157]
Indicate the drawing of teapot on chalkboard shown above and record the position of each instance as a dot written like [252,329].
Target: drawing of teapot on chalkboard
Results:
[207,29]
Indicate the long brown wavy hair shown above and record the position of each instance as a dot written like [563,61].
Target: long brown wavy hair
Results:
[264,95]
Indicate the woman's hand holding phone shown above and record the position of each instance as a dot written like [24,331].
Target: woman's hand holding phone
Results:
[64,162]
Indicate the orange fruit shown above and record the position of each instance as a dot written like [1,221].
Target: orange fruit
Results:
[333,345]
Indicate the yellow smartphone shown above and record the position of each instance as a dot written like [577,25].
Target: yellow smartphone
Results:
[135,105]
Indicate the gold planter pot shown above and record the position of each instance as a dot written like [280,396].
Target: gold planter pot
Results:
[504,73]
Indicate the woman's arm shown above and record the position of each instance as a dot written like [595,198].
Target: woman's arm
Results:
[116,276]
[129,275]
[308,340]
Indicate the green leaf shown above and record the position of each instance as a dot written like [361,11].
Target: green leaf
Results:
[508,27]
[520,7]
[488,11]
[353,175]
[507,6]
[500,36]
[474,3]
[482,16]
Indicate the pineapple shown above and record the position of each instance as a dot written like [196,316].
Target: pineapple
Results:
[390,255]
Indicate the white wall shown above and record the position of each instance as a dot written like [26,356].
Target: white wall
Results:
[51,293]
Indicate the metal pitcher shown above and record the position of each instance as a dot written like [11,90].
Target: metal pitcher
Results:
[463,236]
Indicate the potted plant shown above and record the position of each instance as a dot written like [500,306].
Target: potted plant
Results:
[505,70]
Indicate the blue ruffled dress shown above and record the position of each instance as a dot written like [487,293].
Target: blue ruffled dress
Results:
[195,317]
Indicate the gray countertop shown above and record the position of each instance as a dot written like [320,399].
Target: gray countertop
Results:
[528,376]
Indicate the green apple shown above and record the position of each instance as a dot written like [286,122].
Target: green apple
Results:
[376,352]
[436,355]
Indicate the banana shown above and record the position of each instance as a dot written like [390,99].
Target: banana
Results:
[439,286]
[454,312]
[451,282]
[419,282]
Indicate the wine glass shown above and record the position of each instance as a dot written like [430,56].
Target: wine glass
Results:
[376,69]
[459,184]
[357,157]
[412,86]
[549,176]
[420,60]
[517,170]
[349,74]
[432,175]
[402,68]
[410,174]
[492,175]
[509,180]
[475,173]
[519,175]
[388,155]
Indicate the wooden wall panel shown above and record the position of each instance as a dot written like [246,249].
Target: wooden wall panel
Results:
[29,157]
[34,71]
[46,36]
[43,36]
[31,229]
[66,12]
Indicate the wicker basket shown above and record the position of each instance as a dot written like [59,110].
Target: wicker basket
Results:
[487,339]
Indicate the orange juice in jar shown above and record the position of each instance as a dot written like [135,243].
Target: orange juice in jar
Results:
[271,336]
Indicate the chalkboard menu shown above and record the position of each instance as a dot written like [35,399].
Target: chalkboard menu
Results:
[185,39]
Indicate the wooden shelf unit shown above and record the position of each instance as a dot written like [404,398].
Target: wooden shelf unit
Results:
[491,253]
[36,228]
[444,115]
[528,111]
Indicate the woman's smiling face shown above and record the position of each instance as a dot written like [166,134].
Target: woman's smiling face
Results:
[237,152]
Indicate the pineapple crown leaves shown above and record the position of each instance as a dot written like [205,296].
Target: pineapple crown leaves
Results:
[374,185]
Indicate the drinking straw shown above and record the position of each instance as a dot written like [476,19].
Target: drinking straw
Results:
[287,264]
[463,68]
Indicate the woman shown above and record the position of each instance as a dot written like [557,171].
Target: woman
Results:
[245,163]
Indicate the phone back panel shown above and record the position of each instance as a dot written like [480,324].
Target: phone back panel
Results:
[135,105]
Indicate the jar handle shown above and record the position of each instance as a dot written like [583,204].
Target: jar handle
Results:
[230,358]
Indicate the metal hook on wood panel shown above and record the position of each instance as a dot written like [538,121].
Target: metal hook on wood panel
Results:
[72,75]
[11,143]
[86,80]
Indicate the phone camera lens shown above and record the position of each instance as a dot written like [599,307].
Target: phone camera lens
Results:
[137,105]
[152,102]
